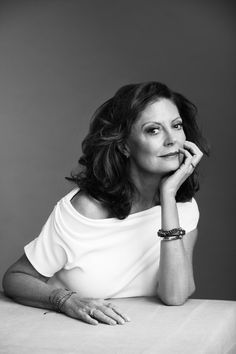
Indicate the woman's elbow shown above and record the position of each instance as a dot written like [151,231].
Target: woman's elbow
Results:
[175,300]
[6,283]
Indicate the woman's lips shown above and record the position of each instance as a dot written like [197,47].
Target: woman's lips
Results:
[174,154]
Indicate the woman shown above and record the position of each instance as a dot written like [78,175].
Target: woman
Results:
[130,226]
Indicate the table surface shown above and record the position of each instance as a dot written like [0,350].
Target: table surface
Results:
[197,327]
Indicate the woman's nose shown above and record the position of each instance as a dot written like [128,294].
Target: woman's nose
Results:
[170,139]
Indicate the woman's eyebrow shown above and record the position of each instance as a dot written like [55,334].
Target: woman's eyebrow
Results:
[155,122]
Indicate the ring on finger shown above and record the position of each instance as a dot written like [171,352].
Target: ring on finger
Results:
[91,312]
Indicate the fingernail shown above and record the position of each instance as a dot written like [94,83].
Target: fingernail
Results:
[113,322]
[122,321]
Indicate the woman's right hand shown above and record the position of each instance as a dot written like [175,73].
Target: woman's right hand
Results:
[22,275]
[93,311]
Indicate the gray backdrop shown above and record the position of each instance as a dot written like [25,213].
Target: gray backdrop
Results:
[61,59]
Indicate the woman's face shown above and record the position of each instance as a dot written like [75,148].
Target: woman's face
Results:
[155,134]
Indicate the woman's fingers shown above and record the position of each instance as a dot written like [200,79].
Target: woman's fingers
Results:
[192,155]
[118,311]
[192,147]
[113,315]
[109,311]
[84,316]
[94,311]
[102,317]
[107,314]
[195,151]
[188,159]
[92,316]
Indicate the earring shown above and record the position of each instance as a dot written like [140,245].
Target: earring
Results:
[124,151]
[126,154]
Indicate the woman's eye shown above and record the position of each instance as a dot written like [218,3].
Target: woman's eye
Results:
[153,131]
[178,126]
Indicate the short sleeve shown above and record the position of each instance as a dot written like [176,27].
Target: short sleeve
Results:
[189,215]
[46,252]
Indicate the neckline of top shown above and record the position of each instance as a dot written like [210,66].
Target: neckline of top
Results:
[142,213]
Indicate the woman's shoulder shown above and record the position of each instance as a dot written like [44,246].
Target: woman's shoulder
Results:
[88,206]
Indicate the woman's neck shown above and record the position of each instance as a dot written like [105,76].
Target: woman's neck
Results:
[147,194]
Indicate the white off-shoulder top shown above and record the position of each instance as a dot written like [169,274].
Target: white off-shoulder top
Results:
[103,258]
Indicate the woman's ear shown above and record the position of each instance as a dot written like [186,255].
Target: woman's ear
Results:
[126,153]
[124,149]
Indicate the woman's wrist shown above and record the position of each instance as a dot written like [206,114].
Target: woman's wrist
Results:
[167,196]
[169,212]
[58,297]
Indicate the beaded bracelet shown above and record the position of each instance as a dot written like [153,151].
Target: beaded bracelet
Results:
[58,298]
[172,238]
[173,234]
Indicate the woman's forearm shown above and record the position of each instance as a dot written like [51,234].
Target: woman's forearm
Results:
[174,285]
[27,290]
[175,269]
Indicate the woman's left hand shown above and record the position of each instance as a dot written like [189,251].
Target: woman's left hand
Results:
[172,183]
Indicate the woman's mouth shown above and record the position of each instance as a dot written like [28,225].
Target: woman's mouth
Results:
[171,154]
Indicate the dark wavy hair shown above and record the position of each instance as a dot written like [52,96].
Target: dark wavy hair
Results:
[105,172]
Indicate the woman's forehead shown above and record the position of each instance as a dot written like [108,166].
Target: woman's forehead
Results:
[158,111]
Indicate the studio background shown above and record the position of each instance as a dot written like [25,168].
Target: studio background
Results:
[61,59]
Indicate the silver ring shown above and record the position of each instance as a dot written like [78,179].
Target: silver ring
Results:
[91,312]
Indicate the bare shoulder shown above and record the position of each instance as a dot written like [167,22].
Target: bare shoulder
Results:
[88,206]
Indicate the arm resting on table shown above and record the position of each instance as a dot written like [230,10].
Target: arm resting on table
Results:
[25,285]
[176,281]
